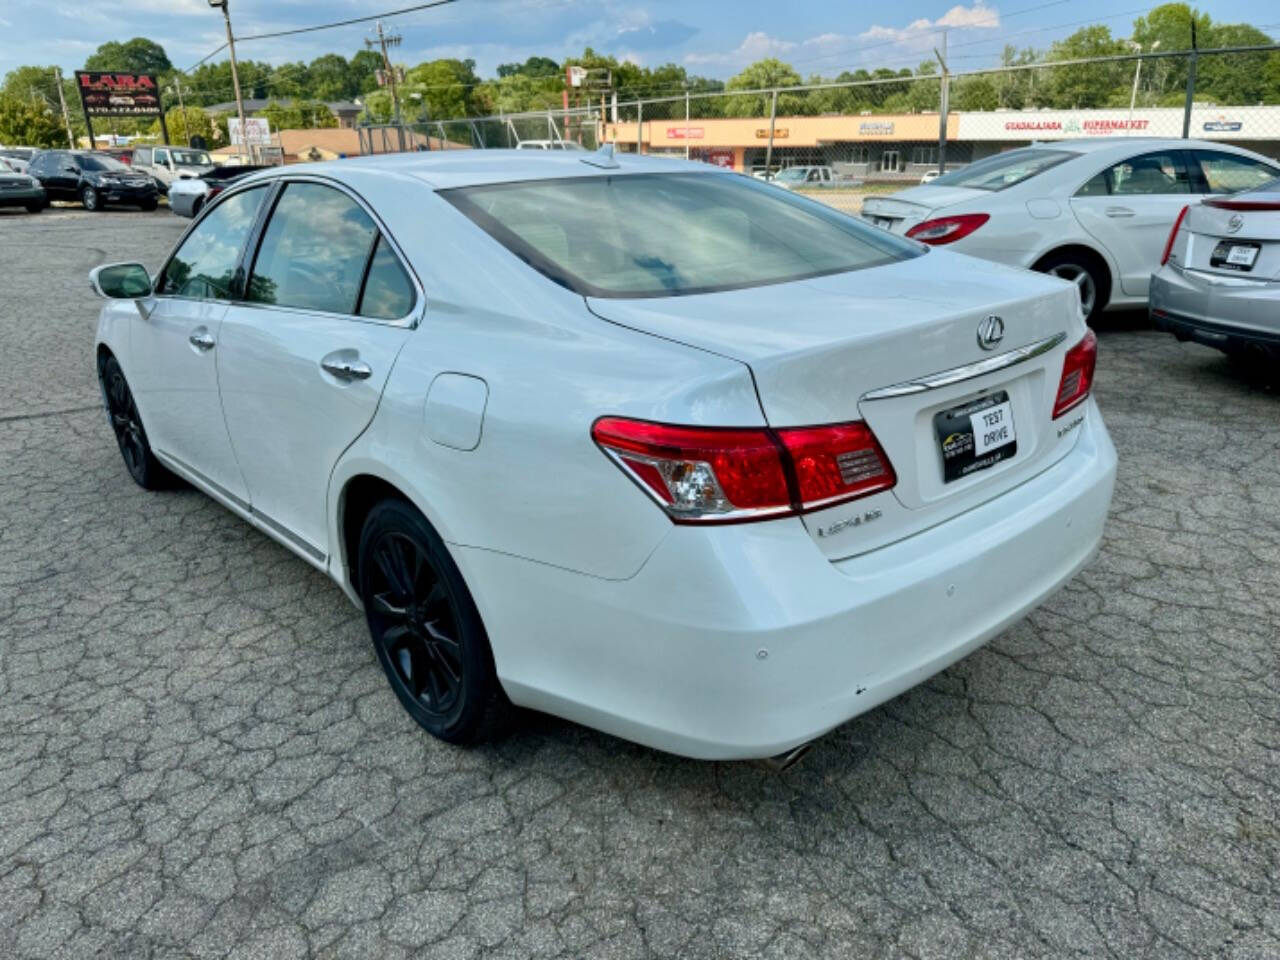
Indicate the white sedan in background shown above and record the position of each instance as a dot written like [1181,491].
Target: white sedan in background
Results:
[1095,212]
[648,445]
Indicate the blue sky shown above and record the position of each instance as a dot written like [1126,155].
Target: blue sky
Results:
[711,37]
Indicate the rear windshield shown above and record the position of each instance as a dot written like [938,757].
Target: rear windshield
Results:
[100,163]
[660,235]
[1002,170]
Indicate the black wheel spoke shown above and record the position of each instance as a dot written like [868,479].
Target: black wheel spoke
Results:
[385,605]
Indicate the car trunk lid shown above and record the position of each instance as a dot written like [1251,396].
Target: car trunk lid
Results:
[859,346]
[1236,237]
[900,211]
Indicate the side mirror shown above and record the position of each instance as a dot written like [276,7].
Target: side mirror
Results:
[120,281]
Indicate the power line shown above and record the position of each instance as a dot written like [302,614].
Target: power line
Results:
[346,23]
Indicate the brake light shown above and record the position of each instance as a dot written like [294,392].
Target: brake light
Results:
[1077,375]
[1173,235]
[212,192]
[944,230]
[1244,205]
[724,475]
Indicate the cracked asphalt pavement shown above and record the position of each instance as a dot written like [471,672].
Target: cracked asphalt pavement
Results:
[200,757]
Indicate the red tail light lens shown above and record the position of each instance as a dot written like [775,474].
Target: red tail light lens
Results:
[1173,235]
[724,475]
[944,230]
[1077,375]
[837,463]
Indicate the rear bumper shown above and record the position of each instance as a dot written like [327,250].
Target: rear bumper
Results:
[744,641]
[1235,317]
[20,198]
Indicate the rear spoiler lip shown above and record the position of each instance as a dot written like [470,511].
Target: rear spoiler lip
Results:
[1244,205]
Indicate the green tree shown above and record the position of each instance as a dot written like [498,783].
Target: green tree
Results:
[298,115]
[330,78]
[138,55]
[30,123]
[763,75]
[1082,85]
[364,67]
[974,93]
[533,67]
[184,124]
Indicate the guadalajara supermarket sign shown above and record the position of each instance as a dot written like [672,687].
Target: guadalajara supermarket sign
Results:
[1074,124]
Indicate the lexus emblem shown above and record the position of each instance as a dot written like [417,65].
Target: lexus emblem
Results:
[1235,223]
[990,332]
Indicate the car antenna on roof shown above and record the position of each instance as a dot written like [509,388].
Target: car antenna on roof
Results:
[602,158]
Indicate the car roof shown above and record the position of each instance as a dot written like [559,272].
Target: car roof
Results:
[1099,144]
[445,169]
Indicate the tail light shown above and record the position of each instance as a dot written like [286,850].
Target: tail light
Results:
[212,192]
[944,230]
[725,475]
[1077,375]
[1173,235]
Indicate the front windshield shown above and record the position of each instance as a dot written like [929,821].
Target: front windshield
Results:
[192,158]
[792,173]
[659,235]
[1003,170]
[101,163]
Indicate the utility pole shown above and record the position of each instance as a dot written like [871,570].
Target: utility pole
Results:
[66,117]
[1191,84]
[388,40]
[686,120]
[944,105]
[773,119]
[235,76]
[182,109]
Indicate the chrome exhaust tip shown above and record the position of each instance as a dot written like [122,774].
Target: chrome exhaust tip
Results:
[785,761]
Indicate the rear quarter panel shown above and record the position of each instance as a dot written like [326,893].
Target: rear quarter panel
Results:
[536,486]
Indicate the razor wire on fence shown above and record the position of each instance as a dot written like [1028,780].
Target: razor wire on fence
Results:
[852,137]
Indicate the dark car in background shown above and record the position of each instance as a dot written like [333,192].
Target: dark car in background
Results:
[19,189]
[94,179]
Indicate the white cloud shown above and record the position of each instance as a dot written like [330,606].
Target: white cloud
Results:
[876,44]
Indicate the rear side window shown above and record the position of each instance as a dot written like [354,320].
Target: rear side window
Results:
[1003,170]
[204,267]
[1229,173]
[142,156]
[653,235]
[1148,174]
[387,295]
[314,251]
[162,157]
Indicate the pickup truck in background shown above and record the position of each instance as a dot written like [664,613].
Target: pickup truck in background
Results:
[167,164]
[808,178]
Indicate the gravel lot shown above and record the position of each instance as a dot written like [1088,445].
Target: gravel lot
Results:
[199,755]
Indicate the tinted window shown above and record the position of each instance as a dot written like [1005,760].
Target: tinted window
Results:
[388,295]
[1228,173]
[204,266]
[313,252]
[663,234]
[1148,174]
[101,163]
[1003,170]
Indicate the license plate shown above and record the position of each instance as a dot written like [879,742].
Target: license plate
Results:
[976,436]
[1234,256]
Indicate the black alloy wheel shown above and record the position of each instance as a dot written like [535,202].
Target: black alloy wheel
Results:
[425,628]
[89,197]
[141,463]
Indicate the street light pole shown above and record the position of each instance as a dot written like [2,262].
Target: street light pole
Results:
[66,117]
[182,109]
[1137,72]
[235,77]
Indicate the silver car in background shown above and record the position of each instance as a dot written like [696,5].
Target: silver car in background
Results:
[1219,279]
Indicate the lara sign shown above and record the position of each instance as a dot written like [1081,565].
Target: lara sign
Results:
[118,94]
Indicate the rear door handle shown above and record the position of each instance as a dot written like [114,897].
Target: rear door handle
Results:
[1118,212]
[202,341]
[347,369]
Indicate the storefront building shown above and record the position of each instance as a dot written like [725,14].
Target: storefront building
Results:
[904,146]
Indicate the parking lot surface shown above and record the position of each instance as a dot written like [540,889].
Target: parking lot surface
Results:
[199,755]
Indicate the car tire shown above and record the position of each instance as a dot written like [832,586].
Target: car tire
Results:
[126,423]
[35,207]
[425,628]
[89,197]
[197,207]
[1088,272]
[149,205]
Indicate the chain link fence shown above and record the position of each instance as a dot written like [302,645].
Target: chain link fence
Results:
[843,140]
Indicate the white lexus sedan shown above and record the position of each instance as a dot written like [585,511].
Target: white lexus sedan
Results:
[1095,212]
[634,441]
